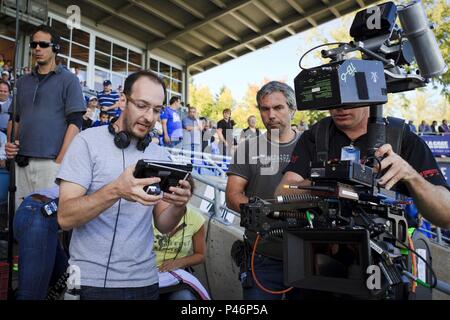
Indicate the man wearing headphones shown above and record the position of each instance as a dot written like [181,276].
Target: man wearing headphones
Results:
[49,113]
[111,215]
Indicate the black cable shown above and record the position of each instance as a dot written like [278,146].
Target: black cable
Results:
[409,249]
[420,257]
[378,176]
[115,226]
[316,47]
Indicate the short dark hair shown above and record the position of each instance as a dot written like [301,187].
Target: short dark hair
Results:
[174,99]
[227,110]
[5,83]
[103,113]
[55,39]
[132,78]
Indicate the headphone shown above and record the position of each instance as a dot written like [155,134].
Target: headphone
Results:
[122,139]
[56,47]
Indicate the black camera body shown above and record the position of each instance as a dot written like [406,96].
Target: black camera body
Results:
[170,173]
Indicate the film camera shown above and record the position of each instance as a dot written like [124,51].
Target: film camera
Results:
[346,226]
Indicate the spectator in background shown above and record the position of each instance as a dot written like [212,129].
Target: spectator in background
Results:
[412,127]
[171,123]
[109,99]
[173,255]
[251,131]
[225,132]
[5,102]
[207,133]
[443,128]
[424,127]
[302,127]
[92,113]
[2,61]
[102,121]
[192,131]
[157,133]
[79,75]
[433,127]
[50,108]
[5,77]
[26,70]
[120,89]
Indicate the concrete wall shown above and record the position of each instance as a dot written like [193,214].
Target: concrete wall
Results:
[441,266]
[221,271]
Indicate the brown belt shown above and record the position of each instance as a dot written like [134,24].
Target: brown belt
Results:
[39,197]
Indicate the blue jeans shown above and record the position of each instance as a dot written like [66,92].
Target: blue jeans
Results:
[269,273]
[141,293]
[42,261]
[184,294]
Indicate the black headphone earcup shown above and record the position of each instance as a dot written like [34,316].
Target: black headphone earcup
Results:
[143,143]
[122,140]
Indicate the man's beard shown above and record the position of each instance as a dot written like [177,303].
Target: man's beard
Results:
[129,130]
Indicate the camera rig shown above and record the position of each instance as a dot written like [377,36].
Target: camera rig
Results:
[346,226]
[364,226]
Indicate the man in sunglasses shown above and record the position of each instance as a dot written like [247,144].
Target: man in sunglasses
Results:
[49,113]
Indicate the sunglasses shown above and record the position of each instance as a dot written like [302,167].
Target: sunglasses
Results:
[42,44]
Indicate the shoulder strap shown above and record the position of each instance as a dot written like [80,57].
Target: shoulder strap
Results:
[395,130]
[322,138]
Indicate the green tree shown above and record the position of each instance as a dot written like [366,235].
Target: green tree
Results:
[201,98]
[223,100]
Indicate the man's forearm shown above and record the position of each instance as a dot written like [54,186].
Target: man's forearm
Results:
[71,132]
[432,201]
[234,201]
[79,211]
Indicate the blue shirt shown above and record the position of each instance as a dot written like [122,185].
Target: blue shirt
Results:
[174,126]
[107,100]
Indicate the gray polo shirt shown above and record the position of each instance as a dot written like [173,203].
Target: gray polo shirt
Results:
[43,107]
[93,161]
[261,163]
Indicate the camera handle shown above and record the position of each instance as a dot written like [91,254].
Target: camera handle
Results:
[376,130]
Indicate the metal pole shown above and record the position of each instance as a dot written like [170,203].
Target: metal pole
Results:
[12,168]
[439,236]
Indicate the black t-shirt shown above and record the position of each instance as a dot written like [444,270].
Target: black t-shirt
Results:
[414,150]
[227,129]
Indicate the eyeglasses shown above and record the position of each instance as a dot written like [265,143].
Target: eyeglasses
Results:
[42,44]
[143,106]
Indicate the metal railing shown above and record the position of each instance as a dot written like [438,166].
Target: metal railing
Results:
[203,163]
[216,209]
[437,236]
